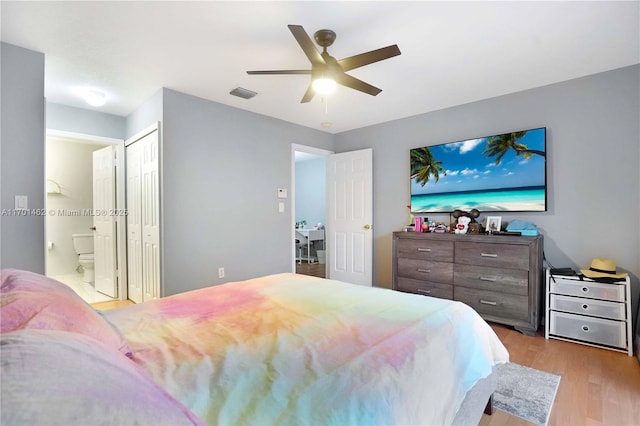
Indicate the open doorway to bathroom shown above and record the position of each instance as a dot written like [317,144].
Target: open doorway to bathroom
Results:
[69,206]
[309,210]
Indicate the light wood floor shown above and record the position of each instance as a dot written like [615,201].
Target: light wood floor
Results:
[104,306]
[598,386]
[315,269]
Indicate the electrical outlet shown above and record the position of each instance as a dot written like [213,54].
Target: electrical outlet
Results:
[221,272]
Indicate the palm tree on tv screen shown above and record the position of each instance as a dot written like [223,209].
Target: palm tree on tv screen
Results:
[423,166]
[501,144]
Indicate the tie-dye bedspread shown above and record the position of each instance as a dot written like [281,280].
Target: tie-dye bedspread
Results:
[292,349]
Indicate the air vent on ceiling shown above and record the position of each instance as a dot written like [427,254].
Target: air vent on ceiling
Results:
[243,93]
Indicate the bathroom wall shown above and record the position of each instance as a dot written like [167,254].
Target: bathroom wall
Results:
[311,191]
[70,165]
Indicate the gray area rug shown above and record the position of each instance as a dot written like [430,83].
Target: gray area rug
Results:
[525,392]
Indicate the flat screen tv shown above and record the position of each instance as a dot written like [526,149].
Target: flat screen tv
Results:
[500,173]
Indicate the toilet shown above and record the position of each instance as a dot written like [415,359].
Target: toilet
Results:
[83,245]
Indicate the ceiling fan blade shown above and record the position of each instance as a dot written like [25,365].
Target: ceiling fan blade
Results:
[354,83]
[308,95]
[277,72]
[306,44]
[370,57]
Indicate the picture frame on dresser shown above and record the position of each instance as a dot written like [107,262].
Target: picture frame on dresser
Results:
[493,224]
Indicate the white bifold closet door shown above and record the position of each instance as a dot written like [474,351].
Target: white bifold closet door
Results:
[143,219]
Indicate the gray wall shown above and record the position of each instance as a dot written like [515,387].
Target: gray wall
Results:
[593,135]
[221,170]
[219,202]
[311,188]
[22,156]
[145,115]
[88,122]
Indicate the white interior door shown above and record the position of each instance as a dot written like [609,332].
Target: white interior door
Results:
[350,216]
[143,221]
[104,221]
[134,224]
[150,196]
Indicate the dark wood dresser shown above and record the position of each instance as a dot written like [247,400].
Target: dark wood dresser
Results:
[499,276]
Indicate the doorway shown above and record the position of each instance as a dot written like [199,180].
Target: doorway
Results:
[69,206]
[309,210]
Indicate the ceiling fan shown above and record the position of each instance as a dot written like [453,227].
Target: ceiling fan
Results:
[325,67]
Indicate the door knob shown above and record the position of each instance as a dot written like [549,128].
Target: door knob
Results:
[93,228]
[367,226]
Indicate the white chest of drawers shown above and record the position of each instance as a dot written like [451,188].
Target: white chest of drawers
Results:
[589,312]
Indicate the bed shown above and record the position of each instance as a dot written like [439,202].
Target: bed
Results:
[280,349]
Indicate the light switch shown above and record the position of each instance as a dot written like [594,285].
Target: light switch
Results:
[282,193]
[21,202]
[280,207]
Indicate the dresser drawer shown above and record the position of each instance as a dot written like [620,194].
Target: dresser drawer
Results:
[494,304]
[510,281]
[582,306]
[441,251]
[426,288]
[589,329]
[426,270]
[590,289]
[512,256]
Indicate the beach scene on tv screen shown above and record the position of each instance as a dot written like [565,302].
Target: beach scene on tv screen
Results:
[498,173]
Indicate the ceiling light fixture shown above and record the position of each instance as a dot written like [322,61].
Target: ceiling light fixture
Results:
[324,85]
[95,98]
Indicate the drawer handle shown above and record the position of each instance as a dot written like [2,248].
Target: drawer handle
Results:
[487,302]
[424,291]
[426,271]
[488,255]
[423,249]
[492,279]
[585,289]
[585,328]
[585,306]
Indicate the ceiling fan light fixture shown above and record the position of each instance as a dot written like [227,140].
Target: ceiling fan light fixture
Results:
[324,85]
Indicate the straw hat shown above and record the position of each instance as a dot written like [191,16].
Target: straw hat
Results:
[601,268]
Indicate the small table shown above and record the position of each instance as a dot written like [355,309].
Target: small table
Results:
[310,235]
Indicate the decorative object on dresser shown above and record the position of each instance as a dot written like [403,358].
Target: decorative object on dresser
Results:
[499,276]
[583,310]
[494,224]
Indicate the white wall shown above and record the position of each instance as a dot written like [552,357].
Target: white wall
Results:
[22,108]
[69,164]
[311,178]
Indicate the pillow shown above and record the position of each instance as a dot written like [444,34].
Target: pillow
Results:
[30,300]
[52,377]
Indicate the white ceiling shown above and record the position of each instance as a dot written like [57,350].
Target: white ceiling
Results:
[452,52]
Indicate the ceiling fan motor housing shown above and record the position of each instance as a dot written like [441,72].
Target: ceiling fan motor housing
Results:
[324,38]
